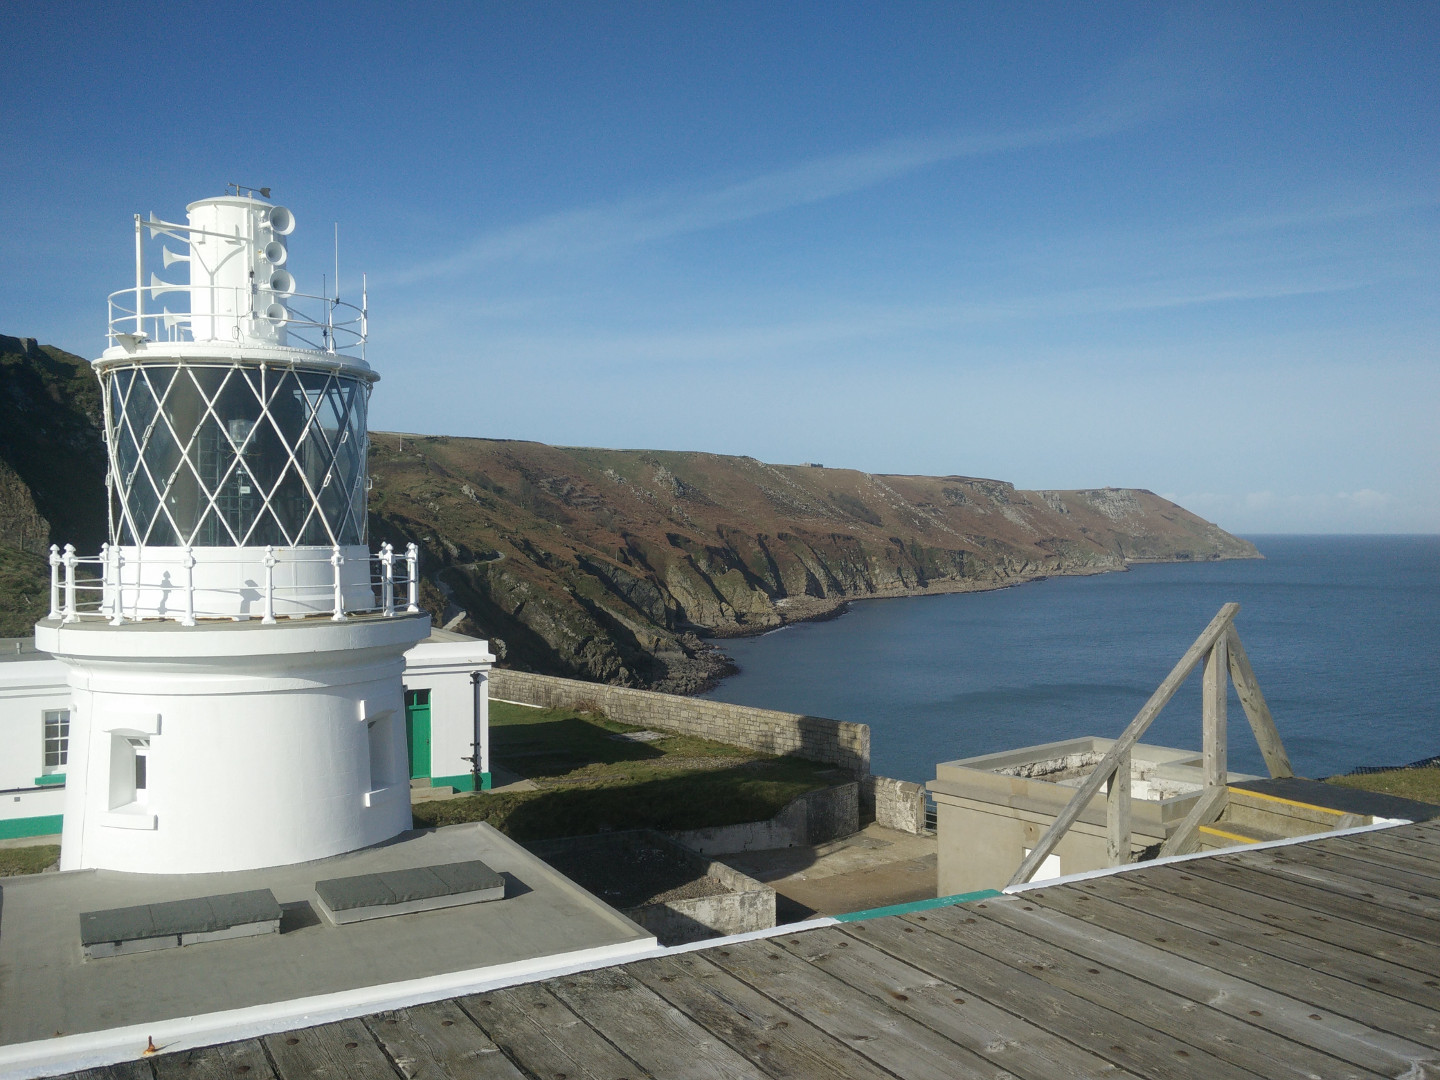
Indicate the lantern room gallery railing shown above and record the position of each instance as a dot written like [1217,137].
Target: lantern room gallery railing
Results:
[93,587]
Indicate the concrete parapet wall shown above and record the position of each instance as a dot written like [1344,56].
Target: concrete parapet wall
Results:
[894,804]
[814,738]
[813,818]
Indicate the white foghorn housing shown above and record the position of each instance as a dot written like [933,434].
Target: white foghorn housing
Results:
[235,653]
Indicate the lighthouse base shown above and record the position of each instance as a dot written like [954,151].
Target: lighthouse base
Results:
[232,745]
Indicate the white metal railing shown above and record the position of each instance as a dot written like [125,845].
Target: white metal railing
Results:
[135,318]
[99,594]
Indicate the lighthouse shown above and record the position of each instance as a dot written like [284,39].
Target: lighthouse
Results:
[235,650]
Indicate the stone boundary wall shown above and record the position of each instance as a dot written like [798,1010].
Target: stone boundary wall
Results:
[816,817]
[812,737]
[894,804]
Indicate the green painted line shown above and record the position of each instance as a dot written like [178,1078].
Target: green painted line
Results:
[48,781]
[918,905]
[14,828]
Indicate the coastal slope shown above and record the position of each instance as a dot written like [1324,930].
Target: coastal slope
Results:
[617,565]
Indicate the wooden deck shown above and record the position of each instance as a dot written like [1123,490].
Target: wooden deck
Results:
[1314,961]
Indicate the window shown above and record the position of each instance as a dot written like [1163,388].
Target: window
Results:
[57,740]
[129,761]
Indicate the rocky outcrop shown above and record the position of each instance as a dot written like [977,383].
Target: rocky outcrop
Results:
[617,566]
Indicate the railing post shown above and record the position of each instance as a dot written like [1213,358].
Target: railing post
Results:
[1117,813]
[117,603]
[412,571]
[387,579]
[337,560]
[268,616]
[54,582]
[1215,694]
[188,562]
[70,561]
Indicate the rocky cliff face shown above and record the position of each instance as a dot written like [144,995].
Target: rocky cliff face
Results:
[612,565]
[615,565]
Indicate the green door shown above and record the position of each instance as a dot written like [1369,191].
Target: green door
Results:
[417,732]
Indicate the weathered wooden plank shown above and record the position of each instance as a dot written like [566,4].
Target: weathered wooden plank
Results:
[1334,879]
[1304,1024]
[538,1032]
[440,1042]
[1418,849]
[1117,813]
[1329,861]
[1243,945]
[1010,1042]
[125,1070]
[345,1048]
[1407,952]
[1214,701]
[780,1042]
[1360,846]
[1320,902]
[1331,979]
[1136,728]
[1194,1021]
[1130,1043]
[1247,688]
[1209,806]
[649,1030]
[224,1062]
[895,1042]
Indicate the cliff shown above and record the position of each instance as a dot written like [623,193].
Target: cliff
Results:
[612,565]
[615,565]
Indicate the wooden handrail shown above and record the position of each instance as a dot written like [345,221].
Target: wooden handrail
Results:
[1203,646]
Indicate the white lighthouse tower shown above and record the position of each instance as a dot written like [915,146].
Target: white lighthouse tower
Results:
[235,651]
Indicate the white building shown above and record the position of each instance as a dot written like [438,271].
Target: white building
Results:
[236,662]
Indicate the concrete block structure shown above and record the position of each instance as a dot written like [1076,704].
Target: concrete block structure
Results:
[991,810]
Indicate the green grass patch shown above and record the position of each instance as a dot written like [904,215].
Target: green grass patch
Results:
[592,782]
[28,860]
[1422,785]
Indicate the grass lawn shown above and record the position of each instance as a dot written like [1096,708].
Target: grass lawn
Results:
[590,781]
[1422,785]
[27,860]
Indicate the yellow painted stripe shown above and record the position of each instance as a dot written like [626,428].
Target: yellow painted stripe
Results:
[1228,835]
[1288,802]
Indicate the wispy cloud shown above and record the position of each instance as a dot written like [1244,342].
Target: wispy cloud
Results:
[659,216]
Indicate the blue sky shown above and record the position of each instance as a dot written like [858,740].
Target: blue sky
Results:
[1192,248]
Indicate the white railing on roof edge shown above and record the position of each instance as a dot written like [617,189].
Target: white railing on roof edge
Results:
[66,585]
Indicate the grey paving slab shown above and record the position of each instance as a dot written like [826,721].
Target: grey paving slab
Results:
[47,986]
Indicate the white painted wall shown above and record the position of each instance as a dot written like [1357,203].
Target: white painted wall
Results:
[30,684]
[444,668]
[267,745]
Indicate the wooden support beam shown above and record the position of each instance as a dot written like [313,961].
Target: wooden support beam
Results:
[1117,813]
[1215,697]
[1267,736]
[1131,735]
[1207,809]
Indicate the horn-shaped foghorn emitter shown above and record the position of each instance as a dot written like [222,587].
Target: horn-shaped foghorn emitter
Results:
[281,283]
[172,319]
[169,257]
[277,314]
[157,287]
[159,228]
[280,220]
[274,253]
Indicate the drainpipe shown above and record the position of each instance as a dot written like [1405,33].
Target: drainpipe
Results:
[480,746]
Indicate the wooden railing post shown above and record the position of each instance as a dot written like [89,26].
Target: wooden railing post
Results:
[1067,817]
[1267,736]
[1215,697]
[1117,813]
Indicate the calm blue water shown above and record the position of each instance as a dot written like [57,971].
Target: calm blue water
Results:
[1343,633]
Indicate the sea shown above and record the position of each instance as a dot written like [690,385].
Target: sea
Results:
[1343,633]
